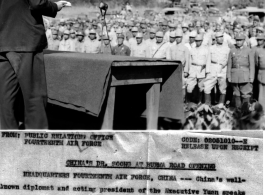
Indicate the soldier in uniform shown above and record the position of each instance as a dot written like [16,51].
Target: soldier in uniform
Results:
[79,45]
[92,45]
[191,43]
[219,54]
[180,53]
[121,49]
[260,40]
[186,33]
[132,40]
[241,70]
[260,63]
[199,67]
[105,46]
[54,43]
[152,37]
[72,40]
[65,44]
[172,28]
[159,48]
[140,49]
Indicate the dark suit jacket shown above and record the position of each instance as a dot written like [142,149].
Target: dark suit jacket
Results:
[21,24]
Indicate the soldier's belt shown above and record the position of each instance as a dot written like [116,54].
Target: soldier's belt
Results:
[216,63]
[194,64]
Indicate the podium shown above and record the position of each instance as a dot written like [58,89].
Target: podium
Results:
[84,82]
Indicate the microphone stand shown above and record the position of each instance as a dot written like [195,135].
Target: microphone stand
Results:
[103,11]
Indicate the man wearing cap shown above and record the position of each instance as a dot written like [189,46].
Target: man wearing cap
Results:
[54,43]
[128,33]
[207,38]
[62,27]
[72,40]
[22,40]
[181,53]
[65,44]
[260,64]
[186,33]
[172,39]
[105,45]
[140,49]
[121,49]
[151,39]
[92,45]
[132,40]
[260,40]
[159,48]
[241,70]
[79,45]
[199,67]
[191,43]
[172,28]
[219,54]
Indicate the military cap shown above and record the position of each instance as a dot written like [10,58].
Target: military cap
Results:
[171,25]
[179,33]
[120,36]
[66,32]
[139,35]
[62,21]
[240,37]
[256,18]
[92,31]
[192,34]
[152,30]
[260,36]
[72,31]
[164,23]
[219,34]
[172,34]
[55,32]
[80,33]
[260,29]
[184,25]
[105,37]
[118,31]
[199,37]
[159,34]
[134,29]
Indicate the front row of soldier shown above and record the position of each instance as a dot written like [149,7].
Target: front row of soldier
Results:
[206,66]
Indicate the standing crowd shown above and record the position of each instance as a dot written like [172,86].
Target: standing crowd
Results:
[213,54]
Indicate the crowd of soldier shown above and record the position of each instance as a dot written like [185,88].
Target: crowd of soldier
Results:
[212,54]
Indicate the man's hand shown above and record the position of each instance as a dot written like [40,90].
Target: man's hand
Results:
[229,80]
[61,4]
[251,80]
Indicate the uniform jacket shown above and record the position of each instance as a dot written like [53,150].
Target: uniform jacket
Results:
[21,24]
[139,50]
[180,53]
[200,62]
[219,59]
[122,50]
[241,65]
[260,63]
[54,44]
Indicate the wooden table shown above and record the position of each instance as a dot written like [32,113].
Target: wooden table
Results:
[137,73]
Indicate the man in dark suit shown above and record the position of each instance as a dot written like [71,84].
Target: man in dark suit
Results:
[22,40]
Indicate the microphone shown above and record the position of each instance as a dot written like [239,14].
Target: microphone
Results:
[103,6]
